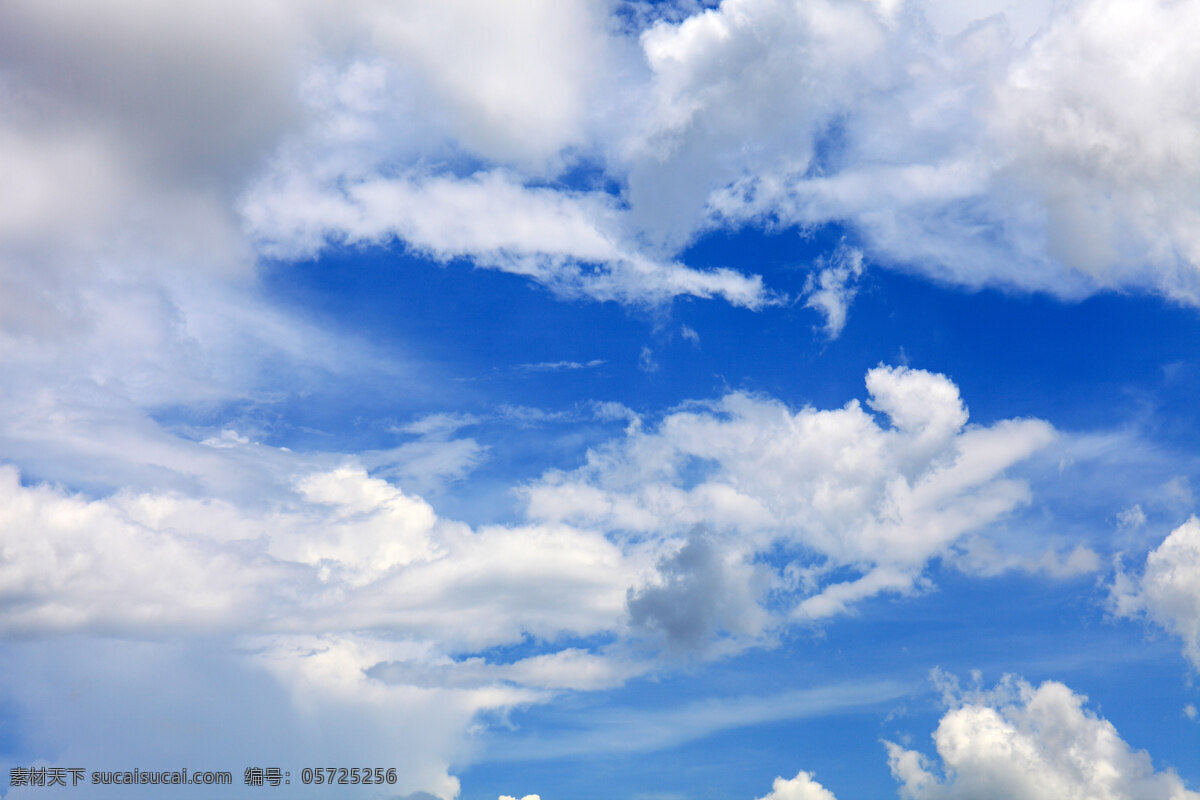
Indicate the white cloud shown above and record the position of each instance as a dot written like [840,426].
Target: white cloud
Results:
[218,701]
[570,668]
[127,278]
[646,729]
[427,464]
[313,573]
[137,166]
[570,241]
[554,366]
[1017,742]
[980,556]
[511,82]
[379,161]
[1133,517]
[73,564]
[153,154]
[981,151]
[350,552]
[646,360]
[1180,490]
[801,787]
[1029,743]
[744,88]
[831,290]
[435,458]
[310,599]
[1096,120]
[1010,139]
[836,488]
[127,128]
[1168,590]
[439,425]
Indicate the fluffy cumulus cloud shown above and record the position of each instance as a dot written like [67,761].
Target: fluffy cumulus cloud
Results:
[1029,743]
[663,525]
[1042,148]
[979,150]
[347,552]
[519,93]
[801,787]
[1018,742]
[345,605]
[836,489]
[1168,590]
[156,157]
[339,590]
[341,606]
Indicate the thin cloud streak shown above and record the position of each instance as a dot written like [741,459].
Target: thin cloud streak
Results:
[622,730]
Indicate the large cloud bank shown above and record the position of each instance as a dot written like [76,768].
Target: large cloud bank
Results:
[655,514]
[346,592]
[155,156]
[1046,148]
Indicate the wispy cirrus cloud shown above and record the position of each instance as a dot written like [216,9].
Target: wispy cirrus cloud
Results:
[645,730]
[554,366]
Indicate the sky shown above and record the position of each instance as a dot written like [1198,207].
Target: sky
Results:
[755,400]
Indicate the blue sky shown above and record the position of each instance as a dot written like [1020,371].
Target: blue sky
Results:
[778,400]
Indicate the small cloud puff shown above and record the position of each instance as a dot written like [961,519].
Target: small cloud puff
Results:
[801,787]
[646,361]
[831,290]
[1133,517]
